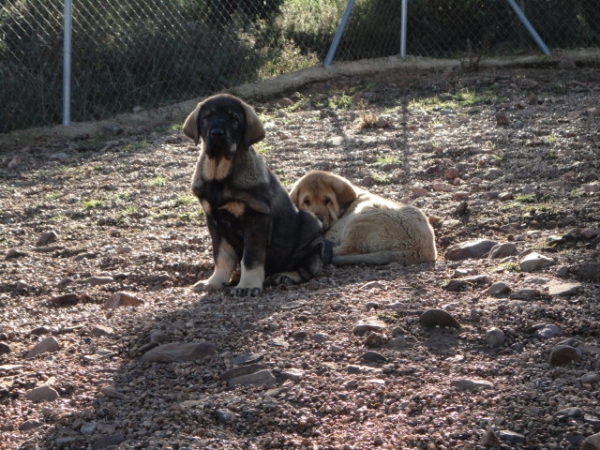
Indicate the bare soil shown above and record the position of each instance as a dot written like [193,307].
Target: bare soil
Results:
[510,155]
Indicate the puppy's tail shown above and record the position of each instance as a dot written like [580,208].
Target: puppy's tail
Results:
[376,258]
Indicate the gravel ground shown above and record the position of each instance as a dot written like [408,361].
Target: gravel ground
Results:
[100,241]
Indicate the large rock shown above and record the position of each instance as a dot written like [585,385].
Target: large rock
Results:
[49,344]
[535,261]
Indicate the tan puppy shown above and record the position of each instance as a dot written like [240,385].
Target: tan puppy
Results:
[364,227]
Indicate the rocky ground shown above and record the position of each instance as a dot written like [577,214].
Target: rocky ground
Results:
[496,345]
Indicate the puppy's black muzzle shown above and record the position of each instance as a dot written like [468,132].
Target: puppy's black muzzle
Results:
[219,143]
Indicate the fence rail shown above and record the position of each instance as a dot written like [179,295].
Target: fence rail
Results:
[128,54]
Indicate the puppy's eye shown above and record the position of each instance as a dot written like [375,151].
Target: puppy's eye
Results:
[326,201]
[306,202]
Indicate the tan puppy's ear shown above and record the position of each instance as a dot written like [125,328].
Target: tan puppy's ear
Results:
[344,191]
[295,194]
[190,126]
[255,131]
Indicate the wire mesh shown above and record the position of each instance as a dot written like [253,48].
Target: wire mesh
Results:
[133,53]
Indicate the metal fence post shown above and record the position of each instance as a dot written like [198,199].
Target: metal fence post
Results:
[404,19]
[67,32]
[338,33]
[523,18]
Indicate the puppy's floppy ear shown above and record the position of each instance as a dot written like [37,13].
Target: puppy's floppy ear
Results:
[295,194]
[344,191]
[190,126]
[255,131]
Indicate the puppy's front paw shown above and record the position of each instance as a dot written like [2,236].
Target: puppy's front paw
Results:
[204,286]
[285,278]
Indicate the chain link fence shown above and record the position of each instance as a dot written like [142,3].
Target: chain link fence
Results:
[128,54]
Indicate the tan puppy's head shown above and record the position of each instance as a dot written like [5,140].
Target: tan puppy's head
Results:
[324,194]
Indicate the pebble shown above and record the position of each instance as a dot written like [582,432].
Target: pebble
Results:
[467,384]
[42,394]
[50,344]
[369,324]
[438,317]
[321,338]
[261,378]
[499,289]
[569,413]
[4,348]
[564,354]
[98,281]
[535,261]
[495,337]
[590,379]
[511,436]
[30,425]
[548,331]
[588,271]
[373,357]
[175,351]
[470,249]
[489,439]
[108,441]
[564,289]
[65,300]
[47,238]
[122,299]
[503,250]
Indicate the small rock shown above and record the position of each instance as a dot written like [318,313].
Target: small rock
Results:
[4,348]
[13,253]
[65,300]
[439,317]
[511,436]
[589,271]
[591,442]
[122,299]
[321,338]
[525,294]
[174,352]
[261,378]
[471,249]
[548,331]
[489,439]
[455,285]
[591,379]
[101,330]
[369,324]
[471,385]
[564,289]
[373,357]
[499,289]
[61,156]
[242,370]
[247,358]
[374,339]
[503,250]
[502,119]
[452,173]
[564,354]
[30,425]
[293,374]
[98,281]
[495,337]
[225,415]
[50,344]
[108,441]
[569,413]
[42,394]
[535,261]
[397,342]
[47,238]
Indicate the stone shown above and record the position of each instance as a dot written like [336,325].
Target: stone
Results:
[261,378]
[470,249]
[43,393]
[98,281]
[321,338]
[122,299]
[489,439]
[50,344]
[502,119]
[591,442]
[176,351]
[564,354]
[590,379]
[569,413]
[108,441]
[65,300]
[293,374]
[30,425]
[369,324]
[225,415]
[373,357]
[495,337]
[564,289]
[242,370]
[438,317]
[535,261]
[101,330]
[47,238]
[589,271]
[511,436]
[503,250]
[471,385]
[4,348]
[499,289]
[548,331]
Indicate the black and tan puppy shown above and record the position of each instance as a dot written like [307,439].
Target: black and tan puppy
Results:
[251,219]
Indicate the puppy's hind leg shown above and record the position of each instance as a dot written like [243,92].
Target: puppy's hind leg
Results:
[226,261]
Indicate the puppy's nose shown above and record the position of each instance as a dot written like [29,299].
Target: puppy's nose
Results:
[217,132]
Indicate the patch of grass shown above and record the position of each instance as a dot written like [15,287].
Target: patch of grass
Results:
[124,195]
[367,119]
[52,196]
[98,168]
[452,101]
[551,139]
[195,216]
[93,203]
[59,218]
[388,317]
[130,210]
[380,179]
[133,146]
[340,100]
[526,198]
[387,160]
[509,266]
[157,181]
[262,148]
